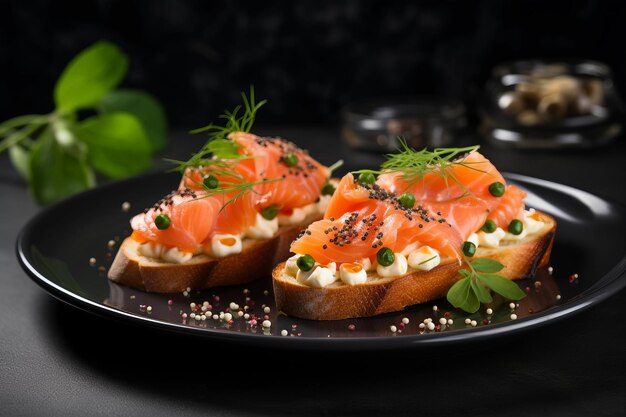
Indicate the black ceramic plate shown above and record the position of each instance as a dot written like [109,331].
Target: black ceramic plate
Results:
[588,265]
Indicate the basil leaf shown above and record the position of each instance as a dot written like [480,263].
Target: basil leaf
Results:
[143,106]
[57,171]
[89,76]
[502,286]
[486,265]
[20,160]
[481,292]
[118,145]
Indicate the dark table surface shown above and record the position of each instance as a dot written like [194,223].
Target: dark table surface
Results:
[58,360]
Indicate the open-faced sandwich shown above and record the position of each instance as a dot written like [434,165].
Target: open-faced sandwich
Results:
[433,223]
[241,201]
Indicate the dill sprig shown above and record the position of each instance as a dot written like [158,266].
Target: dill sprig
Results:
[234,121]
[219,155]
[413,165]
[233,183]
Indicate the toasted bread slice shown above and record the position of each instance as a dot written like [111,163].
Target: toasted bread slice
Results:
[256,260]
[381,295]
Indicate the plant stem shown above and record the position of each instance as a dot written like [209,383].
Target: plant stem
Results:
[334,166]
[9,125]
[17,136]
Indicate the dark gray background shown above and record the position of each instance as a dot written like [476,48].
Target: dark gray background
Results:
[309,58]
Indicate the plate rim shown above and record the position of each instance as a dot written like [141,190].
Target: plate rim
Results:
[610,282]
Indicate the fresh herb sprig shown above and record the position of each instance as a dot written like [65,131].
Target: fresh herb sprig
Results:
[220,154]
[234,121]
[473,289]
[59,153]
[413,165]
[219,147]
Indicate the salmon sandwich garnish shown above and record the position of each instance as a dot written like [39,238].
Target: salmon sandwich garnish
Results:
[239,192]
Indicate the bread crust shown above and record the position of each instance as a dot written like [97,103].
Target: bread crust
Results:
[257,259]
[381,295]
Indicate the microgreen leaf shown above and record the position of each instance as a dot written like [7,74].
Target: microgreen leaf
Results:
[504,287]
[475,281]
[457,294]
[57,171]
[486,265]
[19,158]
[144,107]
[89,76]
[461,296]
[481,292]
[117,143]
[465,273]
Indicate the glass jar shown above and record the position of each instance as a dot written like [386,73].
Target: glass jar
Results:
[424,122]
[551,104]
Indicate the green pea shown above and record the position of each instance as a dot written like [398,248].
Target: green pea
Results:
[305,263]
[269,212]
[211,182]
[496,189]
[385,256]
[407,200]
[516,227]
[469,249]
[367,178]
[328,189]
[290,159]
[489,227]
[162,221]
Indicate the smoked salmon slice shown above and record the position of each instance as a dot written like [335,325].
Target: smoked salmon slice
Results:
[462,189]
[371,218]
[191,221]
[451,203]
[268,171]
